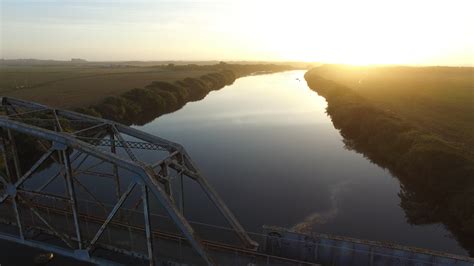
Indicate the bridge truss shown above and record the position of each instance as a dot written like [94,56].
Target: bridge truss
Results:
[52,161]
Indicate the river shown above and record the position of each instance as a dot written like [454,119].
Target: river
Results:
[268,147]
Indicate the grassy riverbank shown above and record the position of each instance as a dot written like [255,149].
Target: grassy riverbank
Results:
[124,92]
[438,100]
[69,85]
[434,165]
[141,105]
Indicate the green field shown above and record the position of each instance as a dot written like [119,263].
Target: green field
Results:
[439,100]
[69,86]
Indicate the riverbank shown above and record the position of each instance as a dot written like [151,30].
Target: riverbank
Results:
[437,175]
[69,85]
[141,105]
[138,106]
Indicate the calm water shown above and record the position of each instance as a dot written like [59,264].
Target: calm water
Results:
[267,146]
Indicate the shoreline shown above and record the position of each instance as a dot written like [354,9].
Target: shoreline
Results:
[142,105]
[425,164]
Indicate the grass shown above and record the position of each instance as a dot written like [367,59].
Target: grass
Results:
[439,100]
[416,122]
[65,85]
[77,86]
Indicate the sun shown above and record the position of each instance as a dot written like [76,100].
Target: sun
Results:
[360,32]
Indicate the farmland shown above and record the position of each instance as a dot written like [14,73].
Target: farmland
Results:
[67,85]
[439,100]
[74,86]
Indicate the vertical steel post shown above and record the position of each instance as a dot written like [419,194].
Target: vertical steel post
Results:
[72,196]
[180,158]
[146,214]
[114,166]
[6,159]
[165,173]
[10,177]
[18,218]
[16,161]
[58,126]
[66,187]
[182,193]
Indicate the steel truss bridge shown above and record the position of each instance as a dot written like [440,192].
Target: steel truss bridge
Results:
[75,185]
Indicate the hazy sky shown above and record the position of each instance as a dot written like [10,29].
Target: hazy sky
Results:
[361,32]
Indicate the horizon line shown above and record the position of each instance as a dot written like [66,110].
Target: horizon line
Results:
[233,60]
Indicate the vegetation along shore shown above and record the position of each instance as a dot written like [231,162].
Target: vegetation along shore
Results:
[435,165]
[128,92]
[142,105]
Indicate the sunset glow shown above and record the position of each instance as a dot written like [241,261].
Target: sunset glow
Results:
[354,32]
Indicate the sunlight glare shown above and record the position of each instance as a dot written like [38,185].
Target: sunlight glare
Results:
[362,32]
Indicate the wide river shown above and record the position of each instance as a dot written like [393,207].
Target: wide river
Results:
[268,147]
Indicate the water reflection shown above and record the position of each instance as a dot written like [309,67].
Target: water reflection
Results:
[270,150]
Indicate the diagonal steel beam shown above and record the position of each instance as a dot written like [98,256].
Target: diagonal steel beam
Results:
[124,144]
[29,172]
[176,215]
[56,119]
[84,188]
[5,157]
[148,233]
[90,128]
[28,112]
[114,166]
[52,196]
[16,160]
[111,215]
[100,162]
[34,167]
[3,180]
[94,173]
[72,196]
[219,203]
[51,179]
[35,211]
[18,217]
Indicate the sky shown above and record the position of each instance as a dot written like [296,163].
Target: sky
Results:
[415,32]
